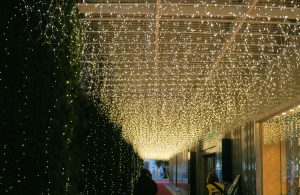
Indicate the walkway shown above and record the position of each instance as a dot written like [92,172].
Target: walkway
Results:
[166,188]
[162,190]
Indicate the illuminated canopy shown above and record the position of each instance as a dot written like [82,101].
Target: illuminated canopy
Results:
[172,72]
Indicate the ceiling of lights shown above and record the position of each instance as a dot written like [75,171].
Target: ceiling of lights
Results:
[171,72]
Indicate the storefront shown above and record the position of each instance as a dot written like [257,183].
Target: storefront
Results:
[279,153]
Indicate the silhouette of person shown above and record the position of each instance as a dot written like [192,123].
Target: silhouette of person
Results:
[145,185]
[149,174]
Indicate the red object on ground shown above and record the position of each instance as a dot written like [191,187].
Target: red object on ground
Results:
[162,190]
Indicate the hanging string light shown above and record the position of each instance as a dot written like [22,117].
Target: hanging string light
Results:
[169,72]
[282,127]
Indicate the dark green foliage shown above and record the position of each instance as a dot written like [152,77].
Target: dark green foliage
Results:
[109,158]
[52,138]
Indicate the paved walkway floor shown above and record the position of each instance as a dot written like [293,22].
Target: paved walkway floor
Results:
[176,191]
[166,188]
[162,190]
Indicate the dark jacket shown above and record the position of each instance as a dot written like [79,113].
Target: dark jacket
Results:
[145,186]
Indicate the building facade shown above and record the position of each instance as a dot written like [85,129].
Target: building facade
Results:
[264,151]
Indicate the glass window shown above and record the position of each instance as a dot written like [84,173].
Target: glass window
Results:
[281,144]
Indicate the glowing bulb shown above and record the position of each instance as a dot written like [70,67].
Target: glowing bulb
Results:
[170,82]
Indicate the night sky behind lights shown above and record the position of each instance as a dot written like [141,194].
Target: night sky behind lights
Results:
[53,139]
[169,72]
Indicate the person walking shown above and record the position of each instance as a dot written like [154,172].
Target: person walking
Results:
[145,185]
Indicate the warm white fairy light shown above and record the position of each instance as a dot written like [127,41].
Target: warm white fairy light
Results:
[283,127]
[168,77]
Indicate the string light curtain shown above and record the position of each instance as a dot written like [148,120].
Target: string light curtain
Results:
[285,126]
[53,140]
[169,72]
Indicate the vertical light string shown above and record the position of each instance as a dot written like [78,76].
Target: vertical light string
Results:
[171,73]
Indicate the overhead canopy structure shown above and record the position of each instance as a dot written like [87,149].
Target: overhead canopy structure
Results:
[172,72]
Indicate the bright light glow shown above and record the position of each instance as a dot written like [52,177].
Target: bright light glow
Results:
[169,77]
[284,127]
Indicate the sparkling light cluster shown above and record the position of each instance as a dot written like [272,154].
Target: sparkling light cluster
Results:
[282,127]
[168,73]
[25,25]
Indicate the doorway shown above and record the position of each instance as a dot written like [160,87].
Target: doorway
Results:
[210,163]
